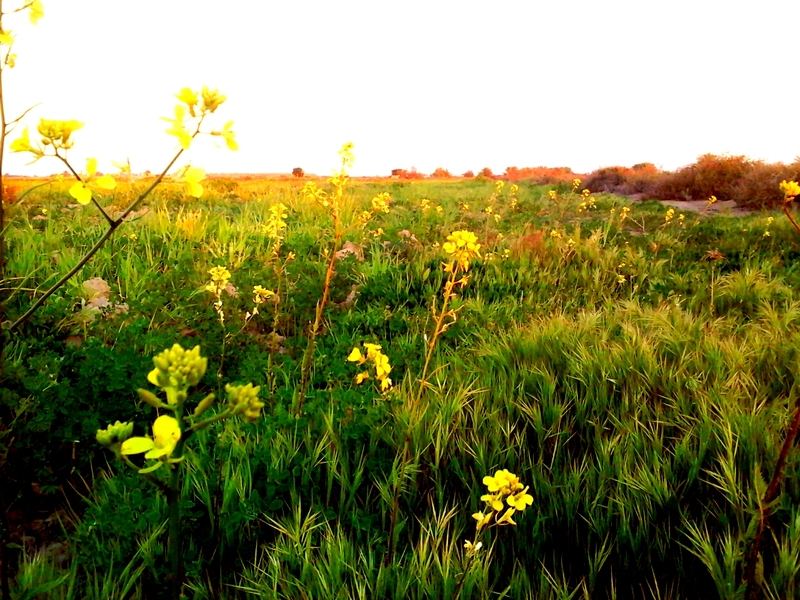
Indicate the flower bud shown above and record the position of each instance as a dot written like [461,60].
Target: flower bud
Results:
[150,398]
[204,405]
[114,434]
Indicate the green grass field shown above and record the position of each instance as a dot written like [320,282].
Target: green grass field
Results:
[634,368]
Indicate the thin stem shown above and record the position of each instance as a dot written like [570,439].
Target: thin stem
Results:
[448,292]
[766,505]
[308,356]
[396,504]
[789,215]
[174,515]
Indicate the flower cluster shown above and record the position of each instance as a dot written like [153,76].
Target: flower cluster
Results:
[57,134]
[553,194]
[588,204]
[178,368]
[380,203]
[576,183]
[243,400]
[769,222]
[275,224]
[506,495]
[191,102]
[260,296]
[790,190]
[463,246]
[219,282]
[380,362]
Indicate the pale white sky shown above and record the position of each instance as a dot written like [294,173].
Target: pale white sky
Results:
[434,83]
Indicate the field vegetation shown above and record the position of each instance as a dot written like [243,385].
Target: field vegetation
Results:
[468,388]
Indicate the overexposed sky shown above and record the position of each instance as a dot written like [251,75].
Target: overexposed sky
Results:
[434,83]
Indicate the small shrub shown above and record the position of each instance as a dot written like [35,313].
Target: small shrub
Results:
[441,173]
[298,172]
[541,175]
[607,179]
[469,174]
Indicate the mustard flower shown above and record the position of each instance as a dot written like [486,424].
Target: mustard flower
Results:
[178,368]
[380,203]
[520,500]
[166,433]
[463,246]
[790,189]
[80,189]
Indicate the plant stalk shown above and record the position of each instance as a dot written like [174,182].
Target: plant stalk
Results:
[765,510]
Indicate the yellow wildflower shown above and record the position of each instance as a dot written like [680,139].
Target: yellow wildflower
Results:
[790,189]
[166,433]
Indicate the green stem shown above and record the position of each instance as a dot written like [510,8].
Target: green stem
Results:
[174,515]
[448,292]
[308,356]
[396,504]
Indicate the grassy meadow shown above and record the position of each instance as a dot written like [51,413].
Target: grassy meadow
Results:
[632,365]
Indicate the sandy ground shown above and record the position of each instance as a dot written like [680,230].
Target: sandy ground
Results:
[723,207]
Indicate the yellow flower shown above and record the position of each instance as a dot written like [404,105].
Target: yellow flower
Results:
[463,246]
[502,480]
[483,519]
[36,11]
[386,383]
[211,99]
[576,183]
[220,274]
[506,518]
[521,500]
[192,176]
[228,135]
[712,199]
[372,349]
[790,189]
[555,233]
[553,194]
[361,377]
[178,128]
[261,295]
[493,501]
[382,366]
[346,154]
[58,133]
[80,189]
[355,356]
[189,98]
[380,203]
[166,433]
[472,548]
[499,185]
